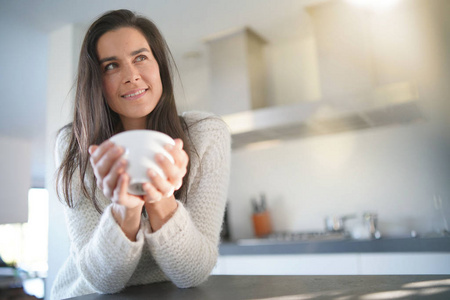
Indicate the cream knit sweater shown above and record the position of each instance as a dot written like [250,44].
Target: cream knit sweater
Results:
[103,260]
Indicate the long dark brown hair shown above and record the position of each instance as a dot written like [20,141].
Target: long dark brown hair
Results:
[93,120]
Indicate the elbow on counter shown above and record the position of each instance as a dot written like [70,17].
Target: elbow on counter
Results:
[192,281]
[105,290]
[198,274]
[102,283]
[105,287]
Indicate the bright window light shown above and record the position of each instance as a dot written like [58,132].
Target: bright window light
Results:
[26,244]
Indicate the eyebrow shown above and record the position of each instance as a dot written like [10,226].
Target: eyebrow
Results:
[131,54]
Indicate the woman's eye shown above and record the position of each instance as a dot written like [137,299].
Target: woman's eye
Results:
[141,58]
[110,66]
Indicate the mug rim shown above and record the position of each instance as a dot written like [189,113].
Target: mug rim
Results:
[145,131]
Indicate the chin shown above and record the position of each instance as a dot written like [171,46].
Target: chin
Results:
[139,113]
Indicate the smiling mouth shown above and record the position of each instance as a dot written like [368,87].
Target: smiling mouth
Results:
[139,92]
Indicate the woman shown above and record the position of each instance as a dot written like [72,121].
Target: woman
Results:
[117,239]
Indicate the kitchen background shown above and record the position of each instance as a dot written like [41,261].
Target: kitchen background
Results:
[336,107]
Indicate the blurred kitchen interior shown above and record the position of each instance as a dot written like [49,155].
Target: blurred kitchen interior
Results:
[344,114]
[336,107]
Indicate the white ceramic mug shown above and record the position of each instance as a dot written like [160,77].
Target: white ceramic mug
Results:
[140,149]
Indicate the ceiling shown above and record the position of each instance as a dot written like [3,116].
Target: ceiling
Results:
[26,24]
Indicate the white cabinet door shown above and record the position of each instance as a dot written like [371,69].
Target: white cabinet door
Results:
[404,263]
[334,264]
[307,264]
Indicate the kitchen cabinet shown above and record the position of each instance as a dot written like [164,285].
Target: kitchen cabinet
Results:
[309,264]
[404,263]
[334,264]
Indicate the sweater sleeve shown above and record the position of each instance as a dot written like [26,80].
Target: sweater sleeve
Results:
[105,258]
[186,247]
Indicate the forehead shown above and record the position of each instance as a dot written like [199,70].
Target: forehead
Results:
[121,41]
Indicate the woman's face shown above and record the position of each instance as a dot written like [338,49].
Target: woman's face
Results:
[130,75]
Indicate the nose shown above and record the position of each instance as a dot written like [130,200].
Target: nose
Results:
[131,73]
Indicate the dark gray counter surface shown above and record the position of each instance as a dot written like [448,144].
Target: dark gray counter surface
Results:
[294,287]
[440,244]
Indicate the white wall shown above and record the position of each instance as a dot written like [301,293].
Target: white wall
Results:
[15,179]
[292,73]
[191,85]
[23,57]
[64,45]
[394,171]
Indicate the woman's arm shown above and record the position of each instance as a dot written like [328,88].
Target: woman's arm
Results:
[160,202]
[186,246]
[110,171]
[104,257]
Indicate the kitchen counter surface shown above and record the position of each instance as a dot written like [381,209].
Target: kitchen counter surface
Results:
[294,287]
[264,247]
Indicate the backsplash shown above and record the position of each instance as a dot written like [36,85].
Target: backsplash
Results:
[393,171]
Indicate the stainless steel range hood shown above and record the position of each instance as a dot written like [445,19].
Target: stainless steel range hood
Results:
[352,98]
[309,119]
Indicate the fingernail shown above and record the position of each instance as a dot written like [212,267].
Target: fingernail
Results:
[179,143]
[90,149]
[159,157]
[152,173]
[169,147]
[170,193]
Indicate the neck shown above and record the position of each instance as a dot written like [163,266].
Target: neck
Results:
[134,124]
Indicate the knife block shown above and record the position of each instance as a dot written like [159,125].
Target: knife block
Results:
[261,224]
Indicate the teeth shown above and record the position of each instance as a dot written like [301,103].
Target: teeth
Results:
[135,94]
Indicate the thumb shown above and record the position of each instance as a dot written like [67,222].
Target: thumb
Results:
[92,149]
[122,184]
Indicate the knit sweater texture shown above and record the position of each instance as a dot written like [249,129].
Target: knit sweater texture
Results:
[184,250]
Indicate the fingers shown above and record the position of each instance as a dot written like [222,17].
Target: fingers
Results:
[161,188]
[179,143]
[92,149]
[152,194]
[121,196]
[107,165]
[179,155]
[174,173]
[110,182]
[164,187]
[121,188]
[177,170]
[98,151]
[109,158]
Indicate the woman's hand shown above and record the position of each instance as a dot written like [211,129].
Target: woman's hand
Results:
[110,171]
[159,189]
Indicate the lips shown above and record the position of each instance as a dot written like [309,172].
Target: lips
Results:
[134,94]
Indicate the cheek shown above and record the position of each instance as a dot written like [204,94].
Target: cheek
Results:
[109,92]
[109,88]
[152,75]
[158,84]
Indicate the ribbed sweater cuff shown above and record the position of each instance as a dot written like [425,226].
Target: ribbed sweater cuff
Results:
[114,239]
[174,226]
